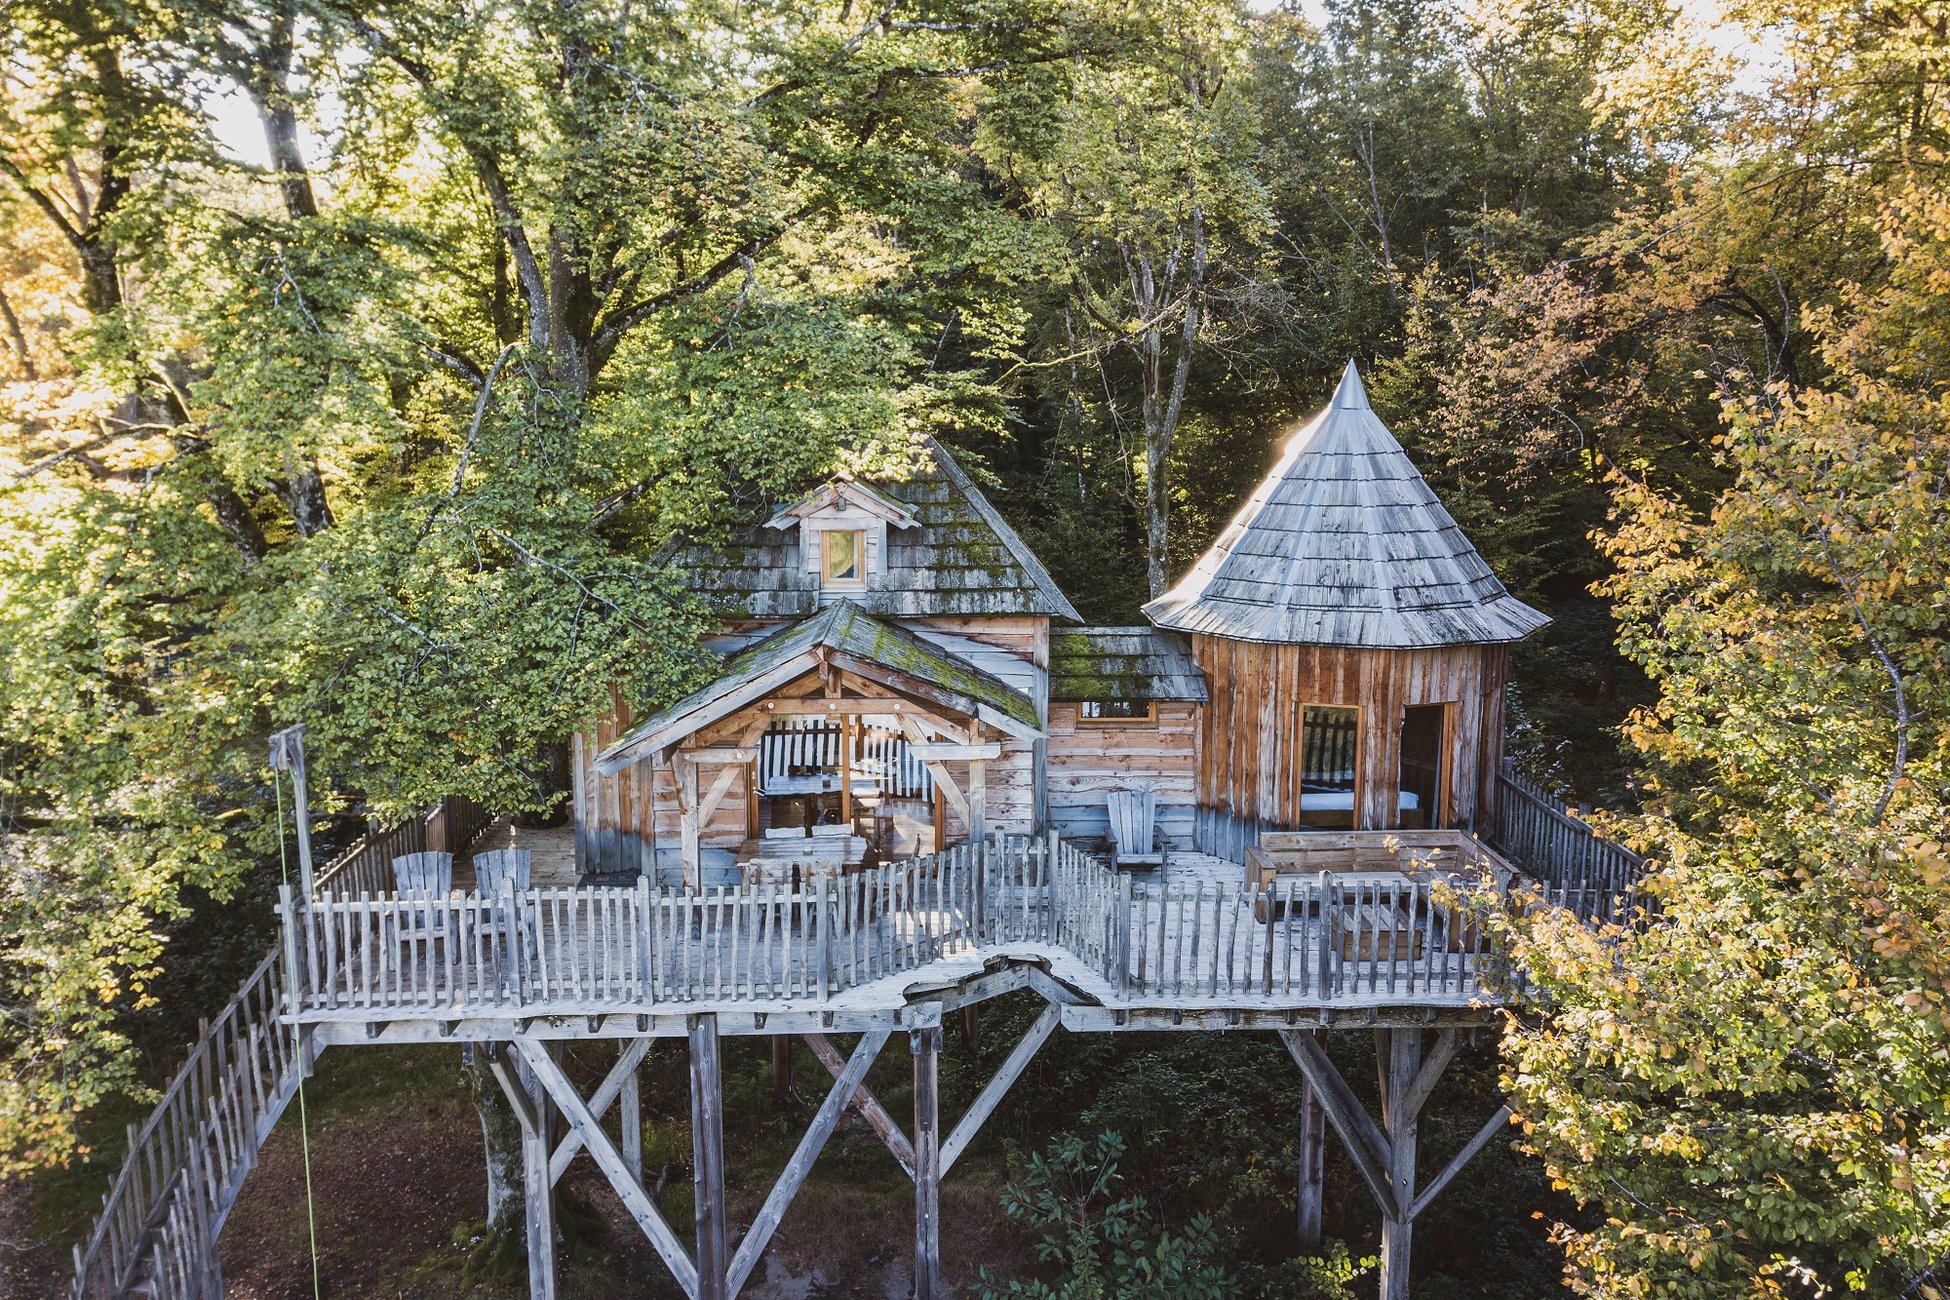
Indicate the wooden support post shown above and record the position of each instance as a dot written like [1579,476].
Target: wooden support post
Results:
[1313,1167]
[629,1113]
[689,829]
[707,1146]
[926,1046]
[1401,1052]
[531,1109]
[978,800]
[288,755]
[781,1070]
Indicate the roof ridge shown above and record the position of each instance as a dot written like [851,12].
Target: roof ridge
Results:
[1023,556]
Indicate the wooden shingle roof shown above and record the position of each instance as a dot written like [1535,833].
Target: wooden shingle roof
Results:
[1345,544]
[1123,663]
[845,637]
[960,558]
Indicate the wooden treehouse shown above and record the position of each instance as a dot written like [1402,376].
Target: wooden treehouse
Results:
[918,783]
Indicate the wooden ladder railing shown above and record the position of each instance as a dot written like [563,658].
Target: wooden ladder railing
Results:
[1537,834]
[156,1235]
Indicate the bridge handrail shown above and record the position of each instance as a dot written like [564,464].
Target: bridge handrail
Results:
[187,1160]
[186,1163]
[1539,835]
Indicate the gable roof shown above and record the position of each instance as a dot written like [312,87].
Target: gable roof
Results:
[1123,663]
[846,637]
[1345,544]
[838,492]
[960,558]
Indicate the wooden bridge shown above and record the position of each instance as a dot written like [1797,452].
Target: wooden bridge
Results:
[1196,947]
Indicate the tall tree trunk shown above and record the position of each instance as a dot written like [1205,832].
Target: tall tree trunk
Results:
[268,78]
[507,1206]
[1164,405]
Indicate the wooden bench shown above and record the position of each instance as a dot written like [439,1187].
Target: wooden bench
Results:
[1374,931]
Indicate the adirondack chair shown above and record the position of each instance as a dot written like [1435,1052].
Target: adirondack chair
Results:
[427,876]
[500,870]
[1133,829]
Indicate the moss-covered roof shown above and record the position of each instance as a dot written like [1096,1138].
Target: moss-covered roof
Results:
[851,638]
[961,559]
[1123,663]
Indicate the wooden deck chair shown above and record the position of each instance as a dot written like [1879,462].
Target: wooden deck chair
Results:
[497,873]
[427,876]
[1133,829]
[500,870]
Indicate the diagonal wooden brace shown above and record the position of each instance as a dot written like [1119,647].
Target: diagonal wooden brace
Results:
[637,1201]
[1470,1151]
[1430,1074]
[1366,1145]
[991,1096]
[793,1177]
[599,1103]
[866,1103]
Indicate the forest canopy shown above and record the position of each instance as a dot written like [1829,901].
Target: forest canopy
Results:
[378,419]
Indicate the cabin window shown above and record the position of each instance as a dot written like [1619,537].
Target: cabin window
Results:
[844,555]
[1110,712]
[1329,753]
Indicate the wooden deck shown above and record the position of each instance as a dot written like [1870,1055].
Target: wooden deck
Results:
[553,847]
[1194,938]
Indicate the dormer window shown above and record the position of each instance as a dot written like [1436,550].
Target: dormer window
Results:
[842,527]
[843,557]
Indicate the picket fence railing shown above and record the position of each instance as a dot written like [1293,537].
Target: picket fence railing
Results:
[584,951]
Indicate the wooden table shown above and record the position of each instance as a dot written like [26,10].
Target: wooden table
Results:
[772,861]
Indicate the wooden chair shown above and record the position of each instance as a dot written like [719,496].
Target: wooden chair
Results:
[428,877]
[496,873]
[500,870]
[1133,829]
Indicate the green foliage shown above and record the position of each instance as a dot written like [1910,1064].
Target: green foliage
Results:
[1104,1245]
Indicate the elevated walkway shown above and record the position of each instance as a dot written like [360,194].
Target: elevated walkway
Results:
[564,961]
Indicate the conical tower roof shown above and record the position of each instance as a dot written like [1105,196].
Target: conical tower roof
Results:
[1344,544]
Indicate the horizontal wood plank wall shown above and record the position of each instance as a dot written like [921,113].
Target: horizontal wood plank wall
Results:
[1087,763]
[1248,738]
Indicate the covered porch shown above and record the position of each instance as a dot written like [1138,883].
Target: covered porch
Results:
[828,746]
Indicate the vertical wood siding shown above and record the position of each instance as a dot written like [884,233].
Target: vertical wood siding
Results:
[1248,757]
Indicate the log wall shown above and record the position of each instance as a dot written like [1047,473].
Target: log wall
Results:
[1087,763]
[1248,738]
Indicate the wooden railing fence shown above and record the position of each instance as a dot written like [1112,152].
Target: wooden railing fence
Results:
[1304,940]
[157,1231]
[158,1227]
[1537,834]
[455,823]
